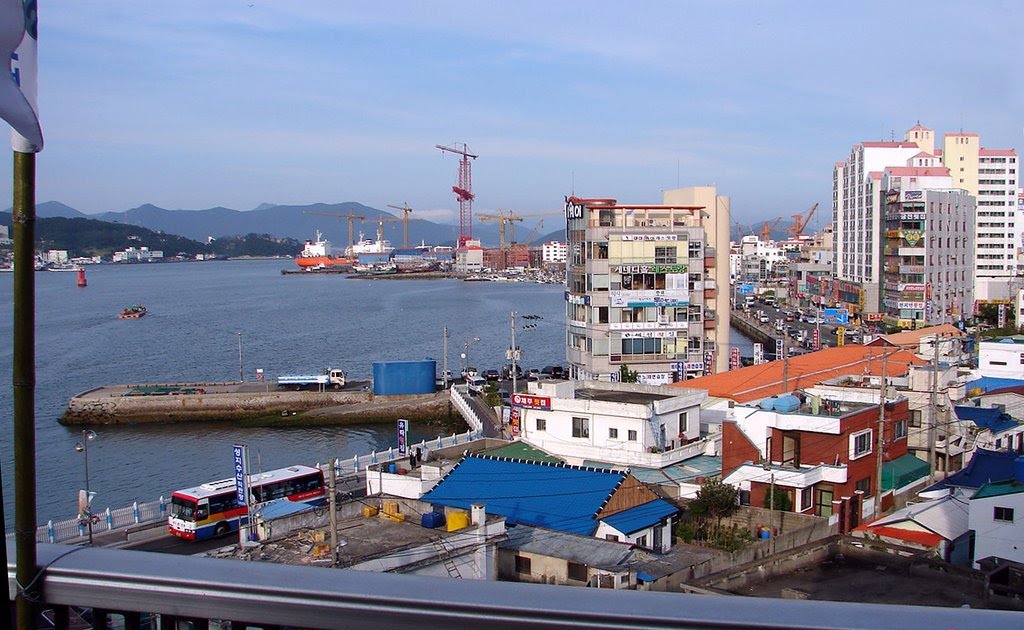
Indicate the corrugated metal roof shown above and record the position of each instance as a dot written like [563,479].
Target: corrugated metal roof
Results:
[595,552]
[999,488]
[903,471]
[560,497]
[985,466]
[946,517]
[991,383]
[646,515]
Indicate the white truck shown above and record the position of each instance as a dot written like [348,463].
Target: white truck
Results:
[333,378]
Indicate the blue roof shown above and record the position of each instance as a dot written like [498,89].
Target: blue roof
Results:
[991,383]
[985,466]
[556,496]
[646,515]
[991,418]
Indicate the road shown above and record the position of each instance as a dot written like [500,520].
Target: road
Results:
[797,333]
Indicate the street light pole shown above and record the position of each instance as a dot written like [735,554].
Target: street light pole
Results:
[86,509]
[241,370]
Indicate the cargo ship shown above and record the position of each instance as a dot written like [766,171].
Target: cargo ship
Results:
[317,255]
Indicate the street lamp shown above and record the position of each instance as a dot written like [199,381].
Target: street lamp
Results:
[85,506]
[465,356]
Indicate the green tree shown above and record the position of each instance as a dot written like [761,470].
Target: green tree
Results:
[715,499]
[491,396]
[627,375]
[782,500]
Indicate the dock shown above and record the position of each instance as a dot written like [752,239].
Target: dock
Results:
[254,403]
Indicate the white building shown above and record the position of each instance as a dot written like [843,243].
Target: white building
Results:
[470,258]
[140,254]
[616,423]
[554,252]
[1002,358]
[997,518]
[56,257]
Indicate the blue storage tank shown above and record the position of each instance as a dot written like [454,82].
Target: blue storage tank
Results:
[787,403]
[432,520]
[1018,469]
[396,378]
[767,404]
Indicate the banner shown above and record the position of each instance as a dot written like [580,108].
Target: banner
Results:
[18,35]
[239,457]
[403,433]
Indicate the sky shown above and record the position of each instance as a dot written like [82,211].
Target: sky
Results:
[192,104]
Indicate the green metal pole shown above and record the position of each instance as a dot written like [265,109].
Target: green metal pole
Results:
[23,219]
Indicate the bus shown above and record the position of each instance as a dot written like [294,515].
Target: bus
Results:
[212,509]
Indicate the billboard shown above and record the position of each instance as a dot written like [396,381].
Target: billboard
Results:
[239,457]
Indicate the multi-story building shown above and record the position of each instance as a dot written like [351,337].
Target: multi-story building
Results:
[554,252]
[928,254]
[644,288]
[991,176]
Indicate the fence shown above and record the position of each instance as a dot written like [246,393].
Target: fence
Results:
[77,529]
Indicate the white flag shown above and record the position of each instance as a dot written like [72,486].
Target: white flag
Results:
[18,89]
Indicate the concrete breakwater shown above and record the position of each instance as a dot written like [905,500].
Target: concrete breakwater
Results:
[252,403]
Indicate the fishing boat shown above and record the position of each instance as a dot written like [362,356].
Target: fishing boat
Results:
[135,311]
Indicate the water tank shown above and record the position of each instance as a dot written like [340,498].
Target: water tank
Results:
[395,378]
[767,404]
[787,403]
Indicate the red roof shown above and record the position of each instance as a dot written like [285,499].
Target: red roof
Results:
[926,539]
[919,127]
[997,152]
[765,380]
[922,171]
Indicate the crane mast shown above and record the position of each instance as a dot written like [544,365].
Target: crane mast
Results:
[463,190]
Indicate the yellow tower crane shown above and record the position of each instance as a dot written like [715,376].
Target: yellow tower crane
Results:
[352,218]
[406,210]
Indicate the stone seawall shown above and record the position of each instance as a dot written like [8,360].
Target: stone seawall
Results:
[109,405]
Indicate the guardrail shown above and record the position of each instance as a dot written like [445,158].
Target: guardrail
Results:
[77,529]
[459,394]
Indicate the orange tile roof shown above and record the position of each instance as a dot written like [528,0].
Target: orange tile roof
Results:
[925,539]
[912,338]
[765,380]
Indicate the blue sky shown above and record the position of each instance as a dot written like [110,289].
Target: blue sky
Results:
[191,104]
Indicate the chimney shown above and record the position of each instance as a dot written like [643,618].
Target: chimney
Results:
[478,514]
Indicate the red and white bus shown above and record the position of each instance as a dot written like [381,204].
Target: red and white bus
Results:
[212,509]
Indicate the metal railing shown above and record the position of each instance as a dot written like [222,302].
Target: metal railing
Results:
[76,530]
[136,584]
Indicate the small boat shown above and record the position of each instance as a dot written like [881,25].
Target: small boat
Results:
[134,311]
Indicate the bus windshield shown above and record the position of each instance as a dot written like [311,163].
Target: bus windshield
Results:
[182,508]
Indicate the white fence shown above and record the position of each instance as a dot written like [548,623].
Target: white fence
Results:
[77,529]
[459,395]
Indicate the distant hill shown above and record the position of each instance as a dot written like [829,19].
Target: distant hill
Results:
[280,221]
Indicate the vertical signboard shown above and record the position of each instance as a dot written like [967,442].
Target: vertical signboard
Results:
[841,336]
[779,348]
[758,353]
[403,433]
[734,359]
[816,337]
[1002,316]
[240,456]
[513,421]
[709,359]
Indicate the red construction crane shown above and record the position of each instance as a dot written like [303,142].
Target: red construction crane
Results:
[800,222]
[766,230]
[463,191]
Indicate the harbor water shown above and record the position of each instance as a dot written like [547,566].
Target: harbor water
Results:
[199,314]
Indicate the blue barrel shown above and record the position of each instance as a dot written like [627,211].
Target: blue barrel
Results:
[432,520]
[392,468]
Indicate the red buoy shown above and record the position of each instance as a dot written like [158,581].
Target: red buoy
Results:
[81,277]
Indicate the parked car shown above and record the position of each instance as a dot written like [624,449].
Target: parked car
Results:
[506,371]
[559,372]
[491,375]
[468,372]
[476,384]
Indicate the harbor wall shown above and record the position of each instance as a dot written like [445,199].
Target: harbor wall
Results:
[267,407]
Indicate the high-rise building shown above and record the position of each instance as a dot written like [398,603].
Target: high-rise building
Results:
[645,288]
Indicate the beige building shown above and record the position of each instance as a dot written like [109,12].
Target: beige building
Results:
[646,288]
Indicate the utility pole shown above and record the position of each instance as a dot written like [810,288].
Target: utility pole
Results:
[771,513]
[333,503]
[444,360]
[513,353]
[932,409]
[241,369]
[881,440]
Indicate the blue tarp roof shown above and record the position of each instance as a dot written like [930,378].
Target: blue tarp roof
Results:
[985,466]
[559,497]
[991,383]
[991,418]
[635,519]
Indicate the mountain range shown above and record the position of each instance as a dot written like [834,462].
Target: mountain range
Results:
[298,222]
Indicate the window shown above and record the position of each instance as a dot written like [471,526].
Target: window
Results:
[824,505]
[613,433]
[611,537]
[577,572]
[522,564]
[581,427]
[631,435]
[864,485]
[915,417]
[542,424]
[1004,514]
[805,498]
[665,255]
[860,444]
[899,430]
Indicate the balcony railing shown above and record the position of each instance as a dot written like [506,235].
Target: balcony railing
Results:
[135,585]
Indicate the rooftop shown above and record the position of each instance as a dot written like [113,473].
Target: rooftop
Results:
[999,488]
[605,395]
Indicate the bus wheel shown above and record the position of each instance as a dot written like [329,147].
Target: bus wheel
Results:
[220,529]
